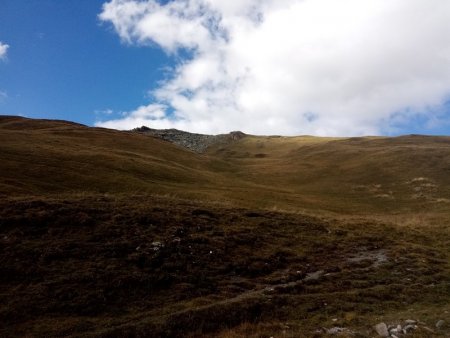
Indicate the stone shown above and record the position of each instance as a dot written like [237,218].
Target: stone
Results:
[440,324]
[409,328]
[336,330]
[410,322]
[198,143]
[426,328]
[382,330]
[314,275]
[394,331]
[157,245]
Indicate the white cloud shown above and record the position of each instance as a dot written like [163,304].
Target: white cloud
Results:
[3,95]
[3,50]
[322,67]
[144,115]
[104,112]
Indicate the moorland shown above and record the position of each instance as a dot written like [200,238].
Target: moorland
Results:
[107,233]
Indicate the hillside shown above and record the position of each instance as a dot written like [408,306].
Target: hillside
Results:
[123,234]
[295,173]
[63,157]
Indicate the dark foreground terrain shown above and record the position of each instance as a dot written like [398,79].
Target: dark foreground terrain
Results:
[115,234]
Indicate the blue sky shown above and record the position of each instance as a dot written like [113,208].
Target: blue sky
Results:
[319,67]
[63,63]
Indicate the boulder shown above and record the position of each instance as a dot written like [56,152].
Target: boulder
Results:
[440,324]
[382,330]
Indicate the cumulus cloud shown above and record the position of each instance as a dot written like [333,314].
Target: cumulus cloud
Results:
[3,49]
[321,67]
[144,115]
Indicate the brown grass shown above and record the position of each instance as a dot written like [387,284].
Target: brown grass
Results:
[107,233]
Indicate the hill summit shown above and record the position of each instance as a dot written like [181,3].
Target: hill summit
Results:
[198,143]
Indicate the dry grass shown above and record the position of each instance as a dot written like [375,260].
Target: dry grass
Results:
[241,228]
[349,176]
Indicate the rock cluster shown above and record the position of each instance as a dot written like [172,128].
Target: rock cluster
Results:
[407,327]
[195,142]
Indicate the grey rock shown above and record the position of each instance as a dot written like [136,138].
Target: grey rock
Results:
[157,245]
[198,143]
[409,328]
[314,275]
[410,322]
[426,328]
[394,331]
[440,324]
[336,330]
[382,330]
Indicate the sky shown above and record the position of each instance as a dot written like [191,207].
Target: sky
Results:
[285,67]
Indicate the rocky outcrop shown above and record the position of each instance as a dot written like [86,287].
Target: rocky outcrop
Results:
[407,328]
[198,143]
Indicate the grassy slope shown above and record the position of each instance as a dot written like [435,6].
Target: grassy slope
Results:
[351,175]
[41,156]
[80,208]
